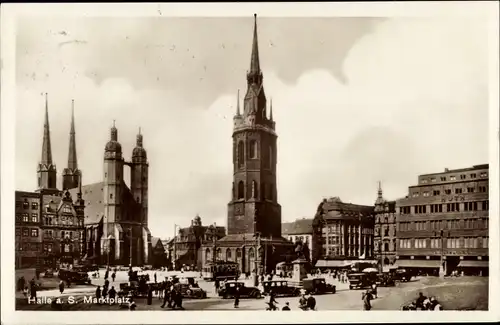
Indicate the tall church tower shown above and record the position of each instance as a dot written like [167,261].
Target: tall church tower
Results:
[71,174]
[139,178]
[254,204]
[47,172]
[113,178]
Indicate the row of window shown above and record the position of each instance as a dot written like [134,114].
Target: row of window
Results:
[454,242]
[26,205]
[27,232]
[480,189]
[435,225]
[62,220]
[27,247]
[25,217]
[454,177]
[253,153]
[338,228]
[450,207]
[267,191]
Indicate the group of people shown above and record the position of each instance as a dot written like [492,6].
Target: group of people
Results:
[424,303]
[27,288]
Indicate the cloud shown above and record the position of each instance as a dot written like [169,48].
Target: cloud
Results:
[408,98]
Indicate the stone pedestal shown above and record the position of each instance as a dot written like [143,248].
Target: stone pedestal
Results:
[299,271]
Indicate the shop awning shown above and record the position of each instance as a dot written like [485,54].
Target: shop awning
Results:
[330,263]
[465,263]
[418,263]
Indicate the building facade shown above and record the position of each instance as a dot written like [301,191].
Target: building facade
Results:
[28,238]
[116,216]
[57,214]
[385,230]
[299,231]
[254,214]
[342,231]
[185,248]
[442,224]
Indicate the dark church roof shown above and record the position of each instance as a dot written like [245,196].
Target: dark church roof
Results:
[155,241]
[93,194]
[298,227]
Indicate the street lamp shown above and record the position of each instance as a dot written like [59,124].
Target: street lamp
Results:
[442,268]
[256,258]
[130,253]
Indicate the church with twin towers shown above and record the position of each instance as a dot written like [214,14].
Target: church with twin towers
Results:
[100,223]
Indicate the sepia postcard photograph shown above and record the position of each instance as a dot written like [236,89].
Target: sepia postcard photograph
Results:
[337,158]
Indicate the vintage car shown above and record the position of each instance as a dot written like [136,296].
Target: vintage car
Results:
[402,275]
[385,280]
[360,280]
[191,291]
[280,288]
[229,288]
[49,273]
[317,286]
[76,275]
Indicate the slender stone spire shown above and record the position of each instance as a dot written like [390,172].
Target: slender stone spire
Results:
[238,104]
[72,160]
[46,147]
[254,62]
[379,192]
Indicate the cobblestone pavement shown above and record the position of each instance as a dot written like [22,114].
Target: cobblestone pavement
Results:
[470,292]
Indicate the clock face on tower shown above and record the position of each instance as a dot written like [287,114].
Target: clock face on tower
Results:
[238,209]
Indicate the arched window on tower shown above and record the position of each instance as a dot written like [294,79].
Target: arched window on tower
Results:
[255,190]
[228,254]
[241,190]
[263,190]
[241,154]
[208,257]
[253,149]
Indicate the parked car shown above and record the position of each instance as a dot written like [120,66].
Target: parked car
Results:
[318,286]
[360,280]
[280,288]
[191,291]
[402,275]
[385,280]
[229,288]
[76,275]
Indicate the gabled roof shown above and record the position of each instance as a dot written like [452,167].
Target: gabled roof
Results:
[155,241]
[298,227]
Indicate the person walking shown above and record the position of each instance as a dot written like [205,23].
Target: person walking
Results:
[33,289]
[98,292]
[104,291]
[61,286]
[106,274]
[155,277]
[311,302]
[367,297]
[111,294]
[150,295]
[237,297]
[113,276]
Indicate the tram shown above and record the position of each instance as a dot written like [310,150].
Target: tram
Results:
[221,270]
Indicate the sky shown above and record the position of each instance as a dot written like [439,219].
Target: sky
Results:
[355,100]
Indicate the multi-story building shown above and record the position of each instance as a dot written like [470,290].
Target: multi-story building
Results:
[28,239]
[185,247]
[385,230]
[300,230]
[342,231]
[254,214]
[443,222]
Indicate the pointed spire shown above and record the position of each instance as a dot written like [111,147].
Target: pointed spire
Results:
[72,160]
[379,190]
[238,104]
[139,139]
[254,62]
[46,147]
[114,132]
[271,109]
